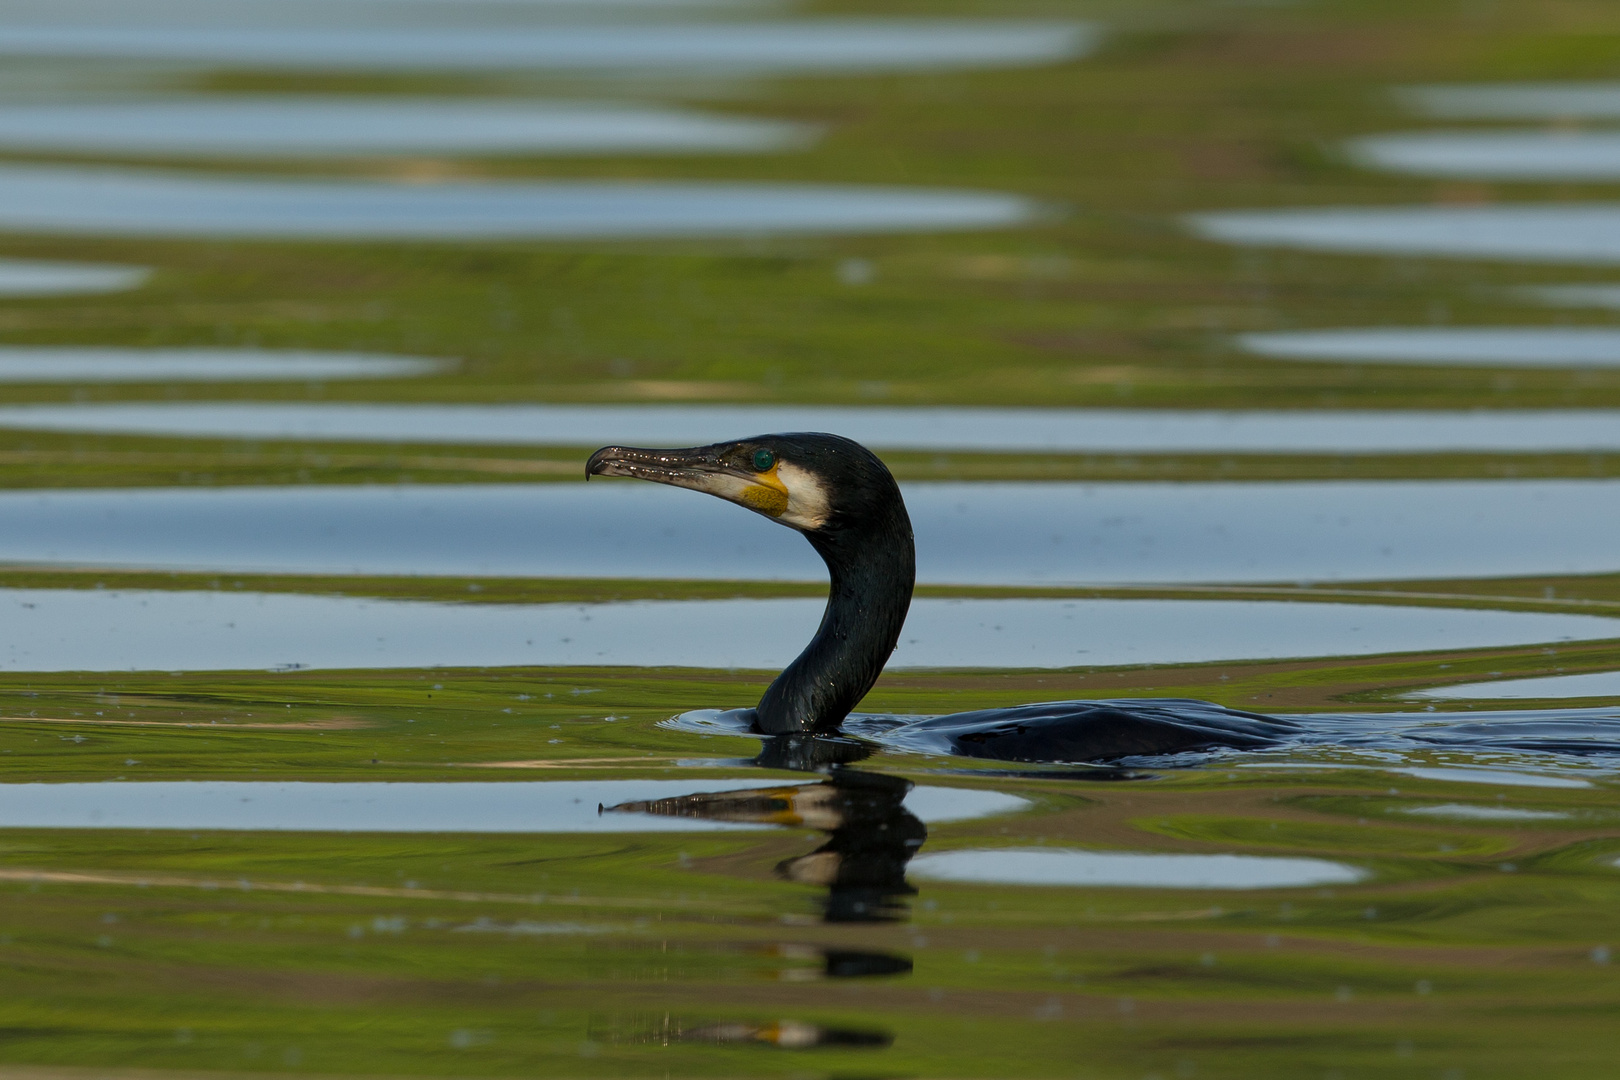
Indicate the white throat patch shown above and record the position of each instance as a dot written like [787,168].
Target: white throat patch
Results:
[809,504]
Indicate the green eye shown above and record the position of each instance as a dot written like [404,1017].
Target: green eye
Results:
[763,460]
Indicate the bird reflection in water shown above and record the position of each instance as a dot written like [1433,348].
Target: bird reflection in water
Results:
[870,834]
[781,1034]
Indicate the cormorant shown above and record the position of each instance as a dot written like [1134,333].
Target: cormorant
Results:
[846,503]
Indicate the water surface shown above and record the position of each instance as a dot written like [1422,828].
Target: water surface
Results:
[323,13]
[1129,869]
[1456,346]
[1065,532]
[348,127]
[40,199]
[1502,777]
[1541,232]
[1172,936]
[72,364]
[556,806]
[1517,101]
[1472,812]
[1494,155]
[1589,684]
[39,277]
[821,46]
[1066,430]
[148,630]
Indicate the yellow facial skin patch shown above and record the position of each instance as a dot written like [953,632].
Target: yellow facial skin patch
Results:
[769,495]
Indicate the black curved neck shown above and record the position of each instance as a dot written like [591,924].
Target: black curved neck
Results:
[873,568]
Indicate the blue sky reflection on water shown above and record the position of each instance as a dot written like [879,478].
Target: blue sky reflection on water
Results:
[245,13]
[1474,812]
[309,126]
[820,46]
[1564,100]
[1584,685]
[74,364]
[1450,346]
[149,630]
[987,429]
[556,806]
[316,14]
[39,199]
[1494,155]
[1068,533]
[1129,869]
[1539,232]
[44,277]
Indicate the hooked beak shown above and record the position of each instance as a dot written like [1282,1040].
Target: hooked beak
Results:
[700,468]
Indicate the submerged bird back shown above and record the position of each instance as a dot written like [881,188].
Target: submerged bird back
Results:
[1091,731]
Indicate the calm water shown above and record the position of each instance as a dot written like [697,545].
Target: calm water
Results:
[1542,232]
[347,127]
[1468,812]
[557,806]
[1130,869]
[1523,775]
[37,199]
[39,277]
[1498,778]
[1595,684]
[323,13]
[1495,346]
[1517,101]
[867,911]
[131,630]
[194,879]
[1502,155]
[1075,533]
[1069,430]
[67,364]
[787,47]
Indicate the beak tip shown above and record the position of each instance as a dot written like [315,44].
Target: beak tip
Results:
[596,464]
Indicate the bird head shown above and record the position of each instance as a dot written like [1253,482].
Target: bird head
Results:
[809,481]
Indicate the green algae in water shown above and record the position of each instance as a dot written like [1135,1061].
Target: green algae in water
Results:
[1467,944]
